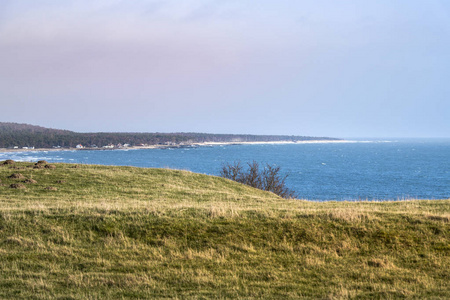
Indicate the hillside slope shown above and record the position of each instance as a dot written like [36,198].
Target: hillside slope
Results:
[124,232]
[8,128]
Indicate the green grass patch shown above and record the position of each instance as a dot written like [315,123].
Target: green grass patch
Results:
[123,232]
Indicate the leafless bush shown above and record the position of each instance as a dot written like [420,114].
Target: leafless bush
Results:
[267,178]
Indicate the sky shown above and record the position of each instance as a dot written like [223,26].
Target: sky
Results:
[372,68]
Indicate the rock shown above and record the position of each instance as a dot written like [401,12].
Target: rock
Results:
[16,176]
[50,166]
[9,162]
[51,188]
[17,186]
[31,181]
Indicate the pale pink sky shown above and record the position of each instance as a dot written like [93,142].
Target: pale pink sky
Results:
[323,68]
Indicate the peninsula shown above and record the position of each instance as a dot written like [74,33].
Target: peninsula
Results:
[14,136]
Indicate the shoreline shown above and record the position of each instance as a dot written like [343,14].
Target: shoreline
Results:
[202,144]
[276,142]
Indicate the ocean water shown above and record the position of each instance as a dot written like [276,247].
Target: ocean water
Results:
[362,170]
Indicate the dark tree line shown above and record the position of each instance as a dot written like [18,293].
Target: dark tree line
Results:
[267,178]
[70,140]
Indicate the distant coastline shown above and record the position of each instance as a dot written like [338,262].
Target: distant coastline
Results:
[24,137]
[203,144]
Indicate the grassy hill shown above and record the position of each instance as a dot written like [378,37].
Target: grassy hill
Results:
[123,232]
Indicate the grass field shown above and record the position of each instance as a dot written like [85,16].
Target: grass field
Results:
[121,232]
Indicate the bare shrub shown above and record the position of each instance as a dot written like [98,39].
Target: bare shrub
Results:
[232,171]
[267,178]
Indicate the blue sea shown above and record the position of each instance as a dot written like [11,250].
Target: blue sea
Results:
[360,170]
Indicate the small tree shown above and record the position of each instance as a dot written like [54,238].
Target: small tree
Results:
[267,179]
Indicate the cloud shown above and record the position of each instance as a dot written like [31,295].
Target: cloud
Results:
[111,41]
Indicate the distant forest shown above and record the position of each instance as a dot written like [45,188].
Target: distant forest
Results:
[24,135]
